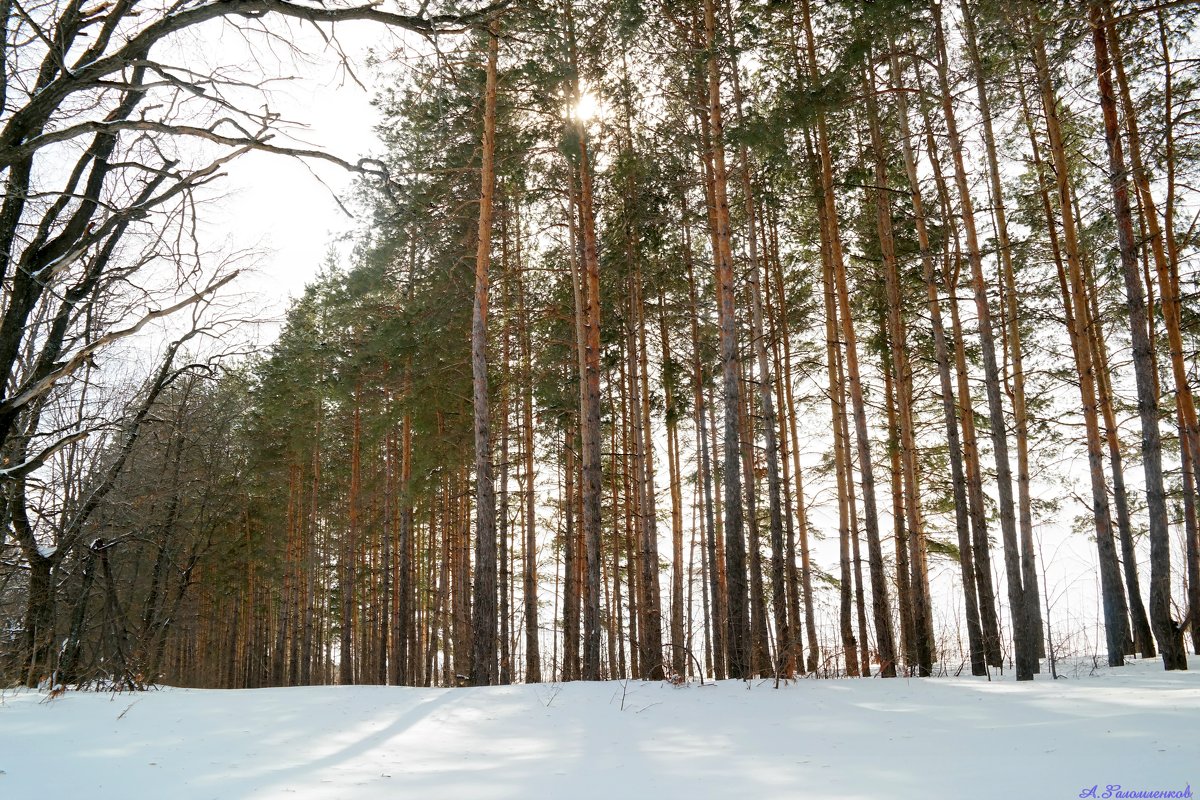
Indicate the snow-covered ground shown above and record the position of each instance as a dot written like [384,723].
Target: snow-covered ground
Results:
[942,738]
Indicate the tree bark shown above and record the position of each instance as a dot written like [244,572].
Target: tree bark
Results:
[766,384]
[785,379]
[1166,631]
[1024,633]
[1115,610]
[1012,326]
[483,651]
[719,612]
[738,635]
[880,604]
[902,373]
[679,650]
[975,640]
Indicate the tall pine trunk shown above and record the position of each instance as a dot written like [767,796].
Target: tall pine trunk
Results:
[678,646]
[483,651]
[1025,635]
[589,321]
[1012,327]
[880,603]
[738,632]
[975,640]
[902,374]
[1168,634]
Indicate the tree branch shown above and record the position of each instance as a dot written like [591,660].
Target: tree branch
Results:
[41,386]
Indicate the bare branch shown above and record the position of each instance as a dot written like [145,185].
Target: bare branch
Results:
[260,142]
[35,462]
[41,386]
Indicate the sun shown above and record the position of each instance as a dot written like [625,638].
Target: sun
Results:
[586,108]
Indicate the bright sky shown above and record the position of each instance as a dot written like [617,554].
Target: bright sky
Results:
[283,209]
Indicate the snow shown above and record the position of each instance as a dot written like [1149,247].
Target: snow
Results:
[821,739]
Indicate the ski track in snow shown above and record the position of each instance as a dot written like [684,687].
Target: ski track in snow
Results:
[825,740]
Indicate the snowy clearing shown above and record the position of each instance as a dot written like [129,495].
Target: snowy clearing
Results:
[843,739]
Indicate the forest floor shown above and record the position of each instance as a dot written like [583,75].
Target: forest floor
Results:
[1135,726]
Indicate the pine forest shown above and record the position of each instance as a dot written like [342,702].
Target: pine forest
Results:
[676,341]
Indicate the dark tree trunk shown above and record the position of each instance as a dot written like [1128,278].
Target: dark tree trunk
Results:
[483,651]
[975,641]
[739,634]
[1166,630]
[1025,636]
